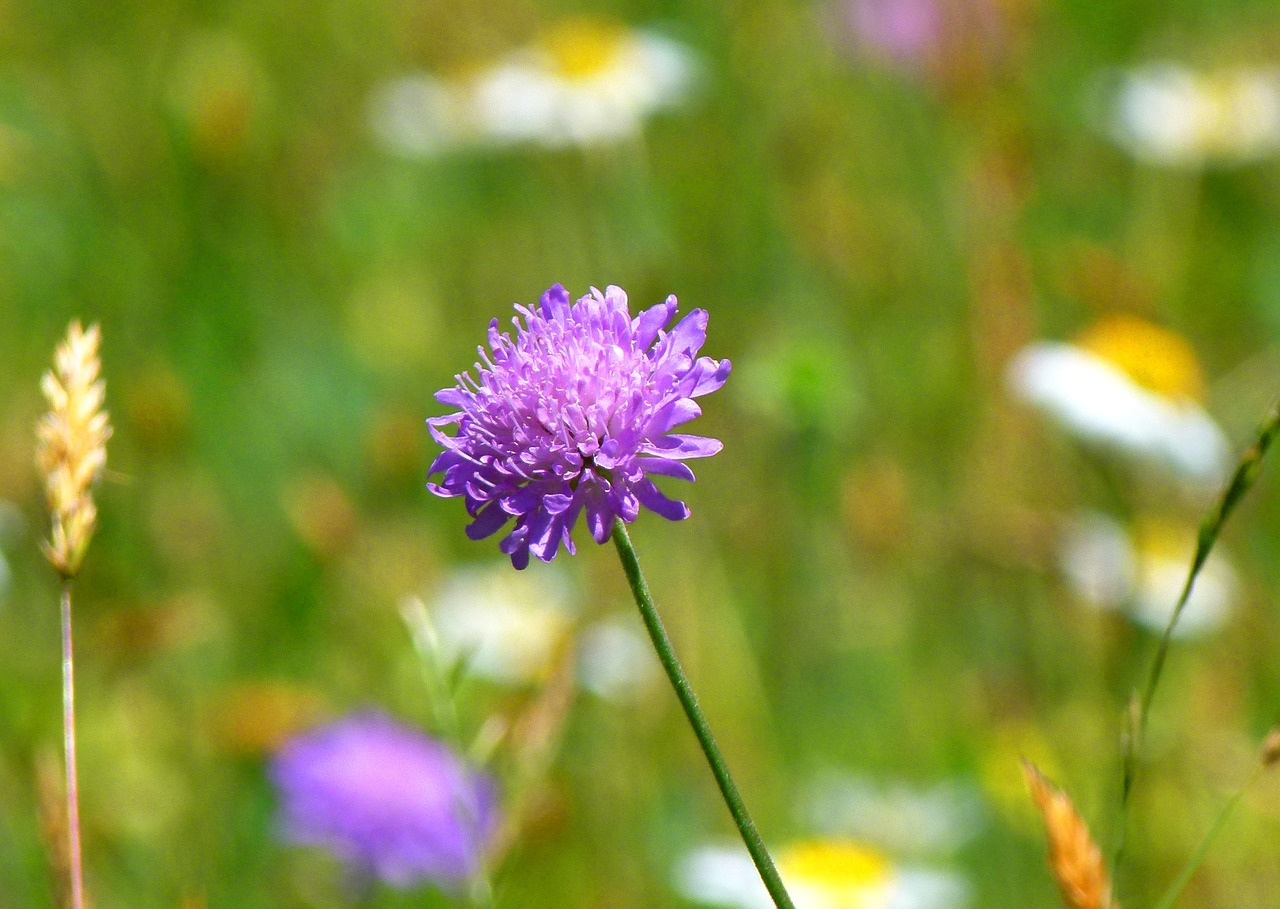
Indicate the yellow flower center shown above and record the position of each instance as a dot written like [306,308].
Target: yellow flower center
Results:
[1165,542]
[836,874]
[1234,109]
[581,48]
[1153,357]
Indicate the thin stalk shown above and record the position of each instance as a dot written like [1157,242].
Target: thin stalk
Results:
[1184,877]
[1246,473]
[689,701]
[426,641]
[69,747]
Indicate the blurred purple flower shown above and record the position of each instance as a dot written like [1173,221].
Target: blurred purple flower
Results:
[905,32]
[573,417]
[385,799]
[939,39]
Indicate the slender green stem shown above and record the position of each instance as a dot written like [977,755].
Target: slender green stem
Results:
[422,631]
[1136,724]
[74,860]
[1184,877]
[689,701]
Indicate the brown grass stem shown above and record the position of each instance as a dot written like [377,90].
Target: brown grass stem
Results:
[74,860]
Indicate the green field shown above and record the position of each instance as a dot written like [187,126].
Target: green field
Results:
[888,590]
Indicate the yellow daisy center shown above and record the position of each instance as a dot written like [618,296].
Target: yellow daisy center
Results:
[1233,110]
[839,874]
[1162,542]
[1153,357]
[582,48]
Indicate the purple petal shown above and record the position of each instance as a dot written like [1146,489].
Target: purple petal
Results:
[682,446]
[710,376]
[681,410]
[646,326]
[557,503]
[690,333]
[555,297]
[487,522]
[544,535]
[663,467]
[656,502]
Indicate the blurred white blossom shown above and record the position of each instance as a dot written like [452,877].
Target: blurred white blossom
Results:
[1141,573]
[1131,387]
[506,626]
[903,818]
[582,82]
[1168,114]
[818,874]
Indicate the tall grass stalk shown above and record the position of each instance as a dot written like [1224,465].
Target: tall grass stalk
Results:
[74,859]
[1246,473]
[71,453]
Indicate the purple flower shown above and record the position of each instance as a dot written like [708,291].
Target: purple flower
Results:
[905,32]
[386,799]
[573,417]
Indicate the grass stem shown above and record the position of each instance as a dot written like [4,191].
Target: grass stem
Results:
[75,862]
[1246,473]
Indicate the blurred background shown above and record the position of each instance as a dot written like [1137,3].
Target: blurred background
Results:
[928,548]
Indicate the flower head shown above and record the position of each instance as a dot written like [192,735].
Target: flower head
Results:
[573,417]
[386,799]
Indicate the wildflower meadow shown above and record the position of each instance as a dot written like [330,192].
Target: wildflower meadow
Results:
[523,453]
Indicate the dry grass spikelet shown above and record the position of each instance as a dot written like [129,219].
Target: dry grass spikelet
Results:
[1074,858]
[72,446]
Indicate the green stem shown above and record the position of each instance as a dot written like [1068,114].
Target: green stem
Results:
[689,701]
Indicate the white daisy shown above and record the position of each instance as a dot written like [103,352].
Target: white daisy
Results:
[819,874]
[583,82]
[1129,386]
[900,817]
[615,659]
[1142,574]
[1165,113]
[509,627]
[505,625]
[418,115]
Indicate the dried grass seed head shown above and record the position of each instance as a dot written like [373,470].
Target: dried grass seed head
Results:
[1074,857]
[71,450]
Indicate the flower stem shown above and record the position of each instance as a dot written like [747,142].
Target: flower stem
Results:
[69,746]
[689,701]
